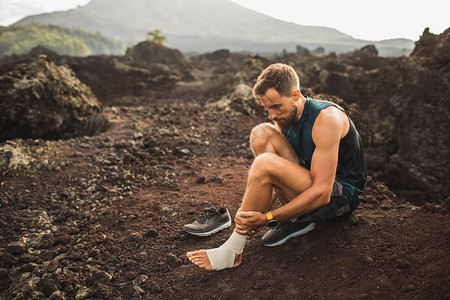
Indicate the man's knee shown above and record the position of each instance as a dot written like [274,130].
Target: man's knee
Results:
[260,138]
[263,164]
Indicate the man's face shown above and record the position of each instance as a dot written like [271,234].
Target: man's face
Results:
[282,110]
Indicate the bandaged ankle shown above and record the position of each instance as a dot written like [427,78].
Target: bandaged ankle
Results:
[236,242]
[224,256]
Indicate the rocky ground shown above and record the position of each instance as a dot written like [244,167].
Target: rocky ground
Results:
[101,217]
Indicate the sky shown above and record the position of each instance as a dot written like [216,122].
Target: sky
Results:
[362,19]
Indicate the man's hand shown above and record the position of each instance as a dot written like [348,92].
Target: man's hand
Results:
[248,222]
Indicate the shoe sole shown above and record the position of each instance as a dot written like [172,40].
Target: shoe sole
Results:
[292,235]
[215,230]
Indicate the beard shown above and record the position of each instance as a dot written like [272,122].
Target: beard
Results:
[289,120]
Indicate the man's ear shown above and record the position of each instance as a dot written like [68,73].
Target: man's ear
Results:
[296,95]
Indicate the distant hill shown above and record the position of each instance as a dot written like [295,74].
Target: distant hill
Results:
[206,25]
[19,39]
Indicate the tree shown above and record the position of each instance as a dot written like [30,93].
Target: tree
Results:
[156,37]
[19,39]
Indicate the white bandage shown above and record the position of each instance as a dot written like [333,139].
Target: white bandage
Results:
[223,257]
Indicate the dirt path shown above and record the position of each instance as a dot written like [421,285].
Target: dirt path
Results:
[101,217]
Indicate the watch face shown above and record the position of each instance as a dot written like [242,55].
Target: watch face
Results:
[272,223]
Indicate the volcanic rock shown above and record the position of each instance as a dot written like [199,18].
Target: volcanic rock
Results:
[251,70]
[436,47]
[42,100]
[7,260]
[219,62]
[13,157]
[145,66]
[161,61]
[239,97]
[16,248]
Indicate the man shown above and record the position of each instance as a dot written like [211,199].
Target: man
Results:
[311,159]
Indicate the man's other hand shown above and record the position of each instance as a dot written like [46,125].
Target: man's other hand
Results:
[248,222]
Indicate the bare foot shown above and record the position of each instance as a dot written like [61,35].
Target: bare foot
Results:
[201,260]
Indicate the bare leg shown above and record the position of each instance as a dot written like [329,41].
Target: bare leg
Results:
[276,166]
[266,139]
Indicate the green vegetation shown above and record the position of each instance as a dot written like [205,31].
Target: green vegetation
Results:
[19,39]
[156,37]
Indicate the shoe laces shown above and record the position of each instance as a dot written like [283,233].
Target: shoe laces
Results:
[208,213]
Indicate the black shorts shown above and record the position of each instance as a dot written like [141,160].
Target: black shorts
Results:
[341,206]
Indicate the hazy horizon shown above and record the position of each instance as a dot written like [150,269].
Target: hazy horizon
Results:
[368,21]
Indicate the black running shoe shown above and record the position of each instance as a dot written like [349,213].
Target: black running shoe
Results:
[286,231]
[210,222]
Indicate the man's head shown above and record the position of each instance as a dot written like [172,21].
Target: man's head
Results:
[281,77]
[277,89]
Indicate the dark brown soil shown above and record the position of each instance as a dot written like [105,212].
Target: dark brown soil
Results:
[102,217]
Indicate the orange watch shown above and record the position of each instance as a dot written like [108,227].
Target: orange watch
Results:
[271,222]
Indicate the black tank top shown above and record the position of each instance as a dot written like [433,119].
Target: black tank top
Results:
[352,168]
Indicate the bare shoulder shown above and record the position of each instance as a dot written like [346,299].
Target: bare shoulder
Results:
[331,123]
[332,113]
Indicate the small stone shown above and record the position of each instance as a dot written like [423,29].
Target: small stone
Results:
[408,288]
[151,233]
[7,260]
[75,256]
[201,180]
[134,236]
[63,239]
[48,286]
[3,273]
[46,242]
[259,286]
[138,289]
[102,277]
[26,258]
[164,208]
[52,266]
[173,260]
[16,248]
[368,259]
[103,291]
[29,267]
[82,293]
[57,295]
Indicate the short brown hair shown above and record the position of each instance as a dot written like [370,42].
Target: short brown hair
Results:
[281,77]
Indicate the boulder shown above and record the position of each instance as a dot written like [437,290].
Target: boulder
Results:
[219,62]
[160,60]
[42,100]
[239,99]
[251,70]
[436,47]
[147,66]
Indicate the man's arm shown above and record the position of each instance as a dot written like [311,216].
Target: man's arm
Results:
[330,126]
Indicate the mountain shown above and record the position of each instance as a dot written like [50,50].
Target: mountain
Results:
[204,25]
